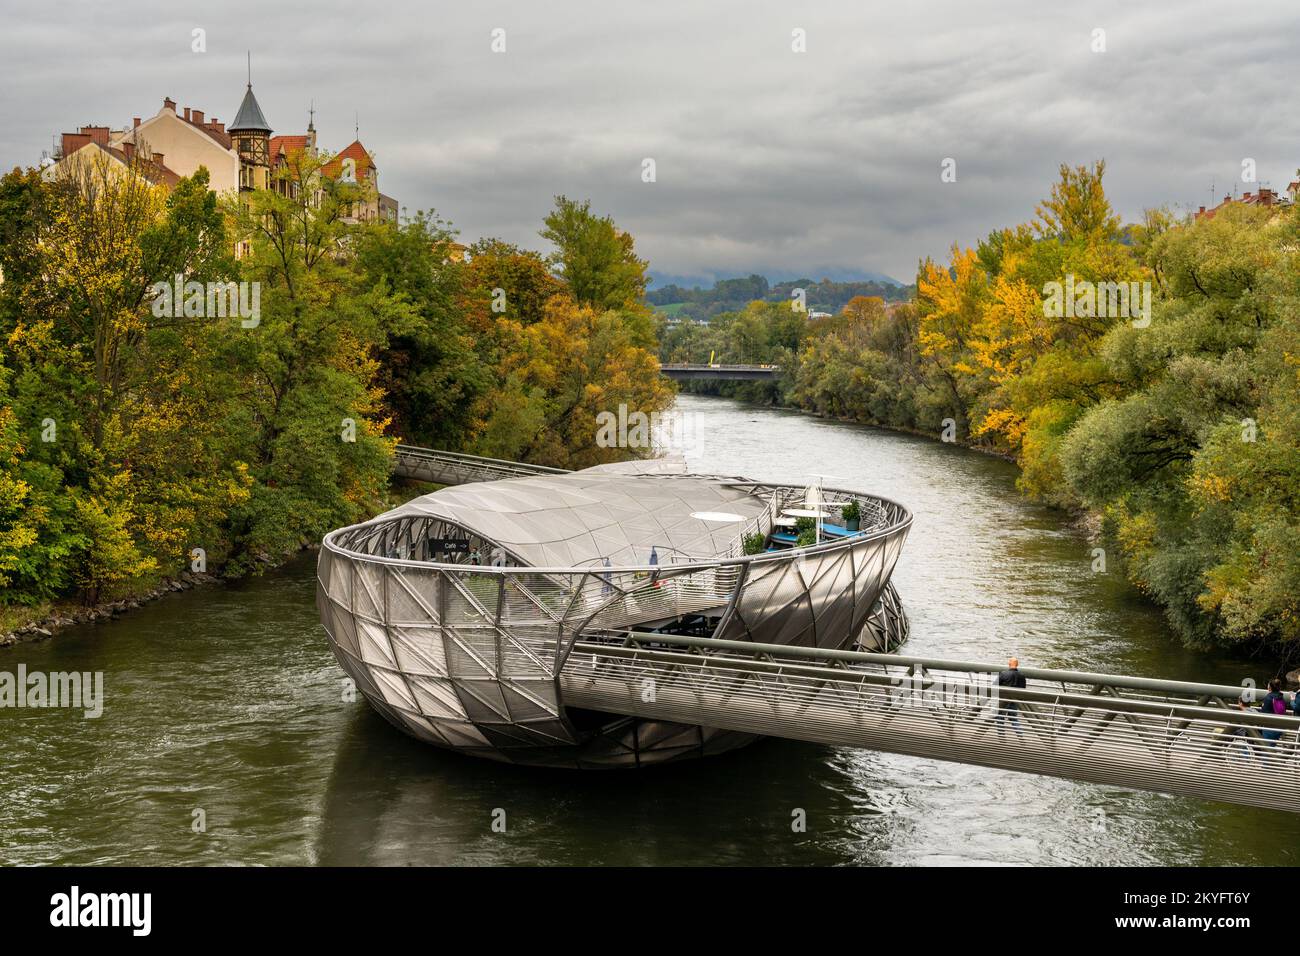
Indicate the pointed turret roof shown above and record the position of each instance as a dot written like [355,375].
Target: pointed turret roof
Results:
[249,118]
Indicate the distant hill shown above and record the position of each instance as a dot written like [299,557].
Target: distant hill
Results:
[731,295]
[659,280]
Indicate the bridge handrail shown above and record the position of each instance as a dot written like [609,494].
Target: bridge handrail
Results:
[1211,753]
[433,454]
[897,686]
[1186,688]
[705,366]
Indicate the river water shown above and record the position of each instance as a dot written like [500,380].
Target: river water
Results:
[224,705]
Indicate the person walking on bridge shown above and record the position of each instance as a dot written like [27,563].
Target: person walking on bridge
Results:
[1010,709]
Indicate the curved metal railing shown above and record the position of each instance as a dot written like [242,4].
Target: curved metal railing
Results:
[509,594]
[396,539]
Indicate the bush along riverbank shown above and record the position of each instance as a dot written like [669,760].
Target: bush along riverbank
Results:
[20,624]
[1143,376]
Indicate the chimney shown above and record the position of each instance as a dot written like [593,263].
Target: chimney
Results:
[198,117]
[187,114]
[1202,209]
[97,134]
[73,142]
[135,122]
[129,150]
[169,104]
[219,127]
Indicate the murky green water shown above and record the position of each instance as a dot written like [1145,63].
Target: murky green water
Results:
[227,700]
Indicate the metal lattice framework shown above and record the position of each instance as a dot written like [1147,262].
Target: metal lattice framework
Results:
[1169,736]
[469,655]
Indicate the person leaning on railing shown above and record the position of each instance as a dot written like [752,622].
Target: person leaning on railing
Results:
[1009,710]
[1274,704]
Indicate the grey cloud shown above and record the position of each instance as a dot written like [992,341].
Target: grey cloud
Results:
[766,159]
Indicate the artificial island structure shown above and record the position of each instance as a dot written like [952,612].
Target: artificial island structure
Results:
[633,614]
[457,613]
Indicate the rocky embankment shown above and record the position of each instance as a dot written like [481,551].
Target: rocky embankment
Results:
[62,617]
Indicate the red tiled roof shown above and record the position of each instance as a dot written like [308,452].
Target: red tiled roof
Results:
[354,151]
[1264,197]
[288,144]
[286,149]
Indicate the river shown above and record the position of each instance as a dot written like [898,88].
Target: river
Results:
[224,708]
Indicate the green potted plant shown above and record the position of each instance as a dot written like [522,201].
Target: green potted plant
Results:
[852,515]
[754,543]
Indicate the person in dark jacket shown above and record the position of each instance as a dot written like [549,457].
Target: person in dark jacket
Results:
[1274,703]
[1010,709]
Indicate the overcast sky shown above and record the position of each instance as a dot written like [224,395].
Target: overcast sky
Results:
[767,160]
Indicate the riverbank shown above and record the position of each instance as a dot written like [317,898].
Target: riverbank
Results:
[43,621]
[24,624]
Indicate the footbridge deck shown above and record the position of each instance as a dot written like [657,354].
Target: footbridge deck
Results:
[1168,736]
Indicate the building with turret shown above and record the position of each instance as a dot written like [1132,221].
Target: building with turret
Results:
[250,134]
[239,158]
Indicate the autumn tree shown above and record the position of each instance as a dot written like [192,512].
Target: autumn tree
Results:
[120,412]
[1194,462]
[1077,208]
[598,264]
[559,375]
[503,280]
[950,309]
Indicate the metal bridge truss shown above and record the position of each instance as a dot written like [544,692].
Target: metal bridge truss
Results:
[452,468]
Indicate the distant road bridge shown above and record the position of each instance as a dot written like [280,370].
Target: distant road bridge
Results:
[1174,737]
[726,373]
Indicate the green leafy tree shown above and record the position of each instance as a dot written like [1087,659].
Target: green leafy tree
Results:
[435,363]
[310,404]
[1195,464]
[598,264]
